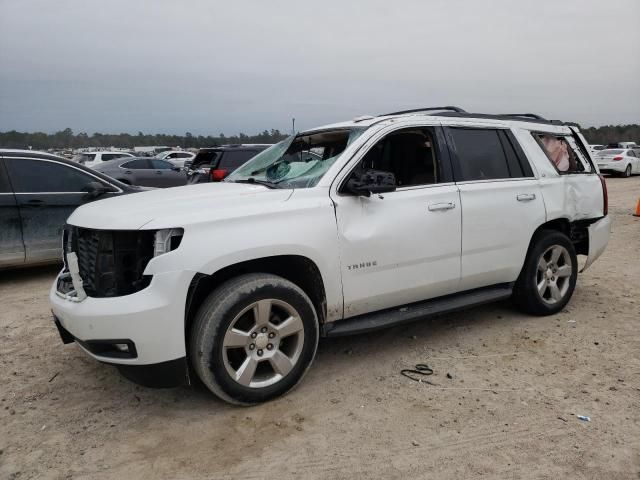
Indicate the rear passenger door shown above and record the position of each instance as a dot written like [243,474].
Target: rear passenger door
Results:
[11,246]
[165,174]
[138,172]
[501,203]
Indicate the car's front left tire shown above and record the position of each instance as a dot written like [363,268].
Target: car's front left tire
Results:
[254,338]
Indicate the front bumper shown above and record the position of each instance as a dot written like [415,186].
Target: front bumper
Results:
[173,373]
[151,319]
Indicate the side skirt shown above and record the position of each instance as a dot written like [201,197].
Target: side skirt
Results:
[417,311]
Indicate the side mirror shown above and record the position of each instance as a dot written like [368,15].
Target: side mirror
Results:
[95,189]
[371,181]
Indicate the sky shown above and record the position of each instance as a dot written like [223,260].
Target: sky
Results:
[210,67]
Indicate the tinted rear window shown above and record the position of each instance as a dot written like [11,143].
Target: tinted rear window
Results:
[205,157]
[232,159]
[480,154]
[136,164]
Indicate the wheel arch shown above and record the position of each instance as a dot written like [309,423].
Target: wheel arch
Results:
[575,230]
[298,269]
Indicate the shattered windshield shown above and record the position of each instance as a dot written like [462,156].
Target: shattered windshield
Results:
[299,161]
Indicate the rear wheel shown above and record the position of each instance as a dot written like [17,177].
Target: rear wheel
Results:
[549,275]
[254,338]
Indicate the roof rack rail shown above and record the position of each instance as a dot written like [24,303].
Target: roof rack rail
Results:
[426,109]
[526,115]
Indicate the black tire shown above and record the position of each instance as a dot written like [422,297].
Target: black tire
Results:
[214,319]
[526,294]
[627,172]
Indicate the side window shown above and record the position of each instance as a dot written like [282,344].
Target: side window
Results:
[482,156]
[160,164]
[139,164]
[630,153]
[110,156]
[5,187]
[410,154]
[41,176]
[232,159]
[562,152]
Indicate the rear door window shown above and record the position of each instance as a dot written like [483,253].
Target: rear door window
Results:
[139,164]
[563,152]
[232,159]
[44,176]
[481,155]
[161,164]
[111,156]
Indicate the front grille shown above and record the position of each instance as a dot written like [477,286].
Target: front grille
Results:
[111,262]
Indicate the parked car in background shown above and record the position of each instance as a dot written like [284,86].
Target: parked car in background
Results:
[38,192]
[214,164]
[392,219]
[624,162]
[144,171]
[92,159]
[623,145]
[595,148]
[177,157]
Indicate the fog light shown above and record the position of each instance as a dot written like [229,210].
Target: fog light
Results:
[123,347]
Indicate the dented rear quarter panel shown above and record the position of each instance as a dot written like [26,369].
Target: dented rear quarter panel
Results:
[574,196]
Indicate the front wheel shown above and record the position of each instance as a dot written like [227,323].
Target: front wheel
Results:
[549,275]
[254,338]
[627,172]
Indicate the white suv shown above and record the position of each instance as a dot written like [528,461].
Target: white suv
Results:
[93,159]
[333,231]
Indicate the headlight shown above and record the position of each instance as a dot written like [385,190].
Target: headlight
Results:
[167,240]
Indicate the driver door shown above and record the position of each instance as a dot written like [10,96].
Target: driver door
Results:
[403,246]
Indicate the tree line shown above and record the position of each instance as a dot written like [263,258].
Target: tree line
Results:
[612,134]
[68,139]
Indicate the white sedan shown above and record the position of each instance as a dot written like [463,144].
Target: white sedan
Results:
[619,161]
[177,157]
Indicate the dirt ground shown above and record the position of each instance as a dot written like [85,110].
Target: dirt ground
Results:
[509,409]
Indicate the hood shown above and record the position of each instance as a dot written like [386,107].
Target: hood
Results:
[178,206]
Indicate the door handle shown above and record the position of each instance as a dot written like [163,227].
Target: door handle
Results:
[128,172]
[525,197]
[35,203]
[158,172]
[434,207]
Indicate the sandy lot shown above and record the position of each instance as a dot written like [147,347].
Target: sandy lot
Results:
[509,410]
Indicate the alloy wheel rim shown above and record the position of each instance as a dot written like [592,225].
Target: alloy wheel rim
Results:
[553,275]
[263,343]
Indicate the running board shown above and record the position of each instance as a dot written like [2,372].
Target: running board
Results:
[417,311]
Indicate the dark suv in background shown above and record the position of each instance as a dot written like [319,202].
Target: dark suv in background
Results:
[215,163]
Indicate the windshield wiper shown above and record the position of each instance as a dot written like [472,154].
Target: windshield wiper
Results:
[256,181]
